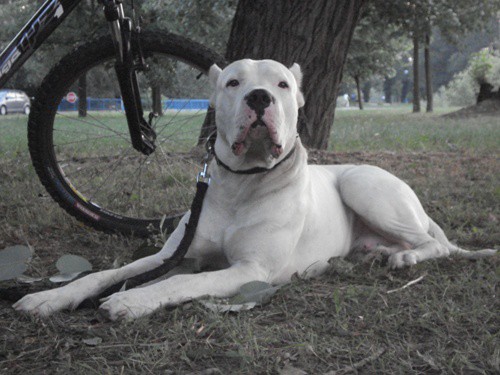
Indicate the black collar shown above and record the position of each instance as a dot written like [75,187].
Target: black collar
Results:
[253,170]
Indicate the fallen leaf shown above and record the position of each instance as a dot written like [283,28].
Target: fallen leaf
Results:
[68,264]
[13,261]
[94,341]
[250,295]
[64,277]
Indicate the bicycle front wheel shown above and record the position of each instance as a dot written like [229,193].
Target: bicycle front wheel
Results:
[85,158]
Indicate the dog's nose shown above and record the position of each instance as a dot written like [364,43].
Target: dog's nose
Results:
[258,100]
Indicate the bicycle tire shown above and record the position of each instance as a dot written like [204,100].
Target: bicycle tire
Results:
[45,125]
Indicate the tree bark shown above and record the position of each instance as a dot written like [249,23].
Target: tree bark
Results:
[388,83]
[315,34]
[416,77]
[82,95]
[358,89]
[428,74]
[485,92]
[367,87]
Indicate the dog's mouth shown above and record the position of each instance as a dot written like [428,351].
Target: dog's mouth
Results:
[258,123]
[258,132]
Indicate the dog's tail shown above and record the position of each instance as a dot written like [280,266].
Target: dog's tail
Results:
[436,232]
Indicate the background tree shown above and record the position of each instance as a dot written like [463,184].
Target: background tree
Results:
[315,34]
[478,82]
[375,50]
[205,21]
[418,17]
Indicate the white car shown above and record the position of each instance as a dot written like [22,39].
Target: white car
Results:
[14,101]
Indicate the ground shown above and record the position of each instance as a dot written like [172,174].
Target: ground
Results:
[353,319]
[490,107]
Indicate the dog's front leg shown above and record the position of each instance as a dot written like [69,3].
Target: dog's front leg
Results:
[138,302]
[70,296]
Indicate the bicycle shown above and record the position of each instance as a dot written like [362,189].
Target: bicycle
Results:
[87,164]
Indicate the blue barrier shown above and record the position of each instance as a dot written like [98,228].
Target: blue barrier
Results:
[184,104]
[112,104]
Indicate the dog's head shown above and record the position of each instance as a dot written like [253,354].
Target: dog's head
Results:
[256,106]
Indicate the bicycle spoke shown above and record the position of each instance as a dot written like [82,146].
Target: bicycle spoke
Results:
[102,125]
[95,155]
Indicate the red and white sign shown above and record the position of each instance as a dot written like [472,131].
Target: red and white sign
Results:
[71,97]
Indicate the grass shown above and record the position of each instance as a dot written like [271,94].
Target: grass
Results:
[95,150]
[342,322]
[400,130]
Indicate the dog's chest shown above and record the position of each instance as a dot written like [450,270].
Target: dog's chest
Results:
[234,219]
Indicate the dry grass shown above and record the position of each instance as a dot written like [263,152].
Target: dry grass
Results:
[343,322]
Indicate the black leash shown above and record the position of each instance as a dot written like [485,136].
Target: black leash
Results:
[196,206]
[168,264]
[203,181]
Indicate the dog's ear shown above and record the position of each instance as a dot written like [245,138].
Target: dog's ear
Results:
[297,73]
[213,76]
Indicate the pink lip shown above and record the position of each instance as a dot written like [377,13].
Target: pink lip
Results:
[239,146]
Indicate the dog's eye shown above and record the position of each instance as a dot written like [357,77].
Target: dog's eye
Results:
[232,83]
[283,85]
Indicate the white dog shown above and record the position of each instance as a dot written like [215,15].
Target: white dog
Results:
[267,214]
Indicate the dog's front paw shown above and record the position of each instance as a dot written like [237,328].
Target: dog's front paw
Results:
[44,303]
[128,305]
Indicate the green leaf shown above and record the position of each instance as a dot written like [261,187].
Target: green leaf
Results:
[94,341]
[63,277]
[255,291]
[13,261]
[223,307]
[68,264]
[250,295]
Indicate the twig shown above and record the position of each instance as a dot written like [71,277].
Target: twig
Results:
[407,285]
[355,366]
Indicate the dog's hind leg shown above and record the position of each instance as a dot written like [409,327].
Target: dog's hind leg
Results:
[390,209]
[436,232]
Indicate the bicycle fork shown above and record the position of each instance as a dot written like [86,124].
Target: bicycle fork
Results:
[126,41]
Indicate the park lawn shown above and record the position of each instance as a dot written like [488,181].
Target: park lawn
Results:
[346,321]
[101,130]
[400,130]
[374,129]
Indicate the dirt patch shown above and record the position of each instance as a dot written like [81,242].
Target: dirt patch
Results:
[446,323]
[490,107]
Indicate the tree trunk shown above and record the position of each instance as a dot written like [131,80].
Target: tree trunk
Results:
[485,92]
[416,78]
[315,34]
[156,99]
[388,83]
[358,89]
[82,96]
[428,75]
[367,86]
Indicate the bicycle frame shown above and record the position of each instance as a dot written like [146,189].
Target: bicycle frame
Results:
[48,17]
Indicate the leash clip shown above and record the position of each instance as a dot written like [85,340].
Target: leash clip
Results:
[204,176]
[209,147]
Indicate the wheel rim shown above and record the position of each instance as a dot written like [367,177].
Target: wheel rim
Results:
[100,169]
